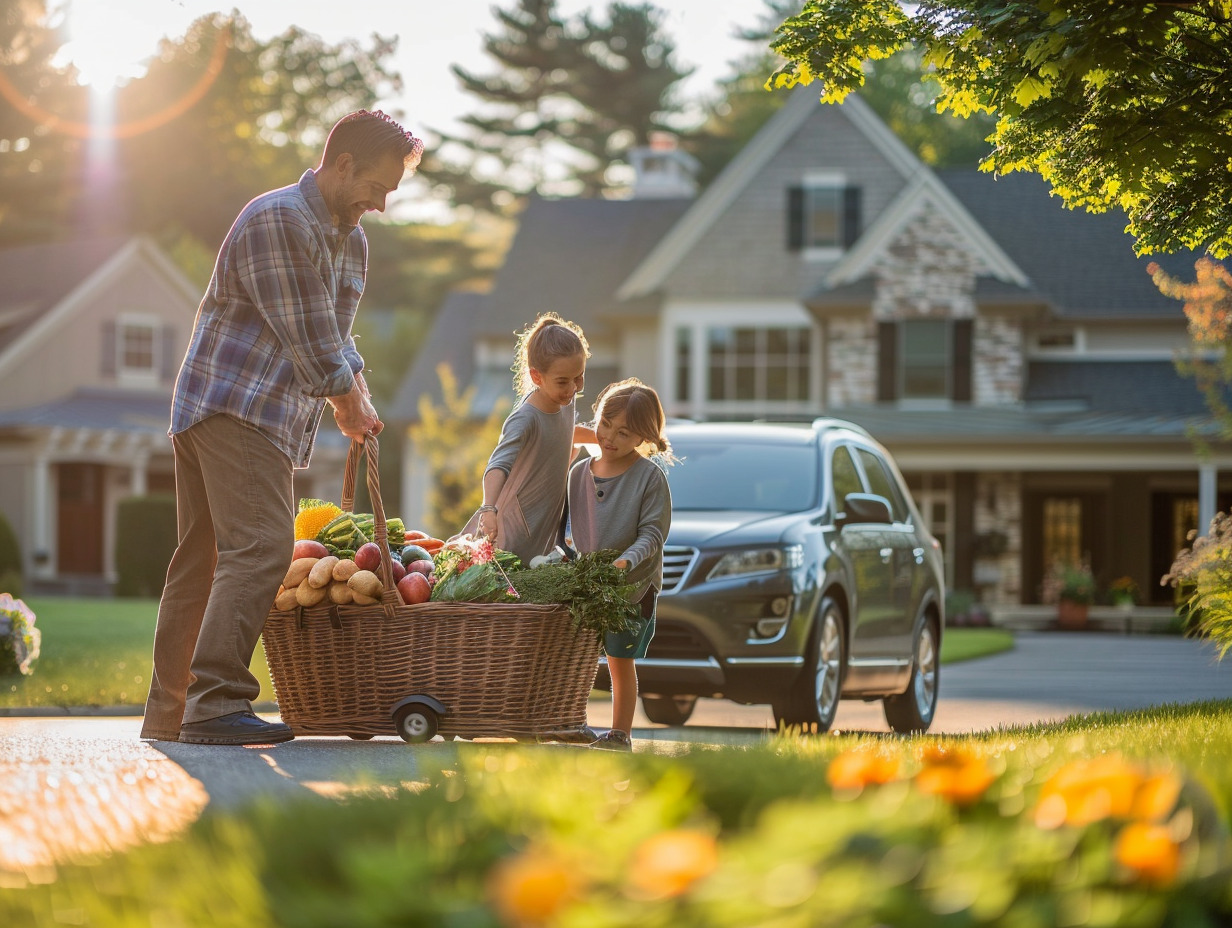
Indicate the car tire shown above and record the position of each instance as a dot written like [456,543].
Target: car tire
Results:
[668,710]
[913,711]
[813,701]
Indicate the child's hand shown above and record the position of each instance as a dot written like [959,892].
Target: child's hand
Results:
[488,526]
[622,563]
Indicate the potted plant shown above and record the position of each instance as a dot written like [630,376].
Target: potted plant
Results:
[1123,593]
[1072,587]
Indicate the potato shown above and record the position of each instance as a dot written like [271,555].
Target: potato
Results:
[298,572]
[367,583]
[322,572]
[286,601]
[307,595]
[361,600]
[344,569]
[340,593]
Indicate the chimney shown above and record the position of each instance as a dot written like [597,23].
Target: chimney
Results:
[662,171]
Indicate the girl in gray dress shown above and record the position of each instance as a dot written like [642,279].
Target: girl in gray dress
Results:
[524,483]
[619,499]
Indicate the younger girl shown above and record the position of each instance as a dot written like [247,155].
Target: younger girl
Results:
[619,499]
[524,484]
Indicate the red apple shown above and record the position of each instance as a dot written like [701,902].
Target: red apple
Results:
[306,547]
[414,588]
[423,567]
[399,570]
[368,557]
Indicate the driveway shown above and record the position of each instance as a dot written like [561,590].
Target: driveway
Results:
[81,784]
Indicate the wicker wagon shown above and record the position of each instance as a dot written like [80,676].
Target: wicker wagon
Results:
[465,669]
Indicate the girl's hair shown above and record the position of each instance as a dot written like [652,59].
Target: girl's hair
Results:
[643,415]
[548,339]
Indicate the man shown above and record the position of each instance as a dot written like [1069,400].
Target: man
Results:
[271,346]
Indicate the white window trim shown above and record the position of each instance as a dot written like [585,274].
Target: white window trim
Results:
[814,180]
[138,377]
[698,317]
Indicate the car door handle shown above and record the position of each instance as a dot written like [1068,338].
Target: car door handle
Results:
[885,554]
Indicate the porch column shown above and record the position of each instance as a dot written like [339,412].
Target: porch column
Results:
[137,475]
[1207,488]
[42,511]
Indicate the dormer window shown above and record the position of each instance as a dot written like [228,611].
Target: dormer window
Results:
[823,216]
[137,350]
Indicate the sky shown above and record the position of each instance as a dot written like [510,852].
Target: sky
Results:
[111,37]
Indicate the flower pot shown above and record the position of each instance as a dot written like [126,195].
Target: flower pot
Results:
[1072,616]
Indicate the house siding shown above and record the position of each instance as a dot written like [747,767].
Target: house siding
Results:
[745,252]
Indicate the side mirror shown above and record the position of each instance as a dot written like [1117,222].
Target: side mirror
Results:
[864,508]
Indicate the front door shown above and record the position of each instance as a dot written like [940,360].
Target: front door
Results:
[79,518]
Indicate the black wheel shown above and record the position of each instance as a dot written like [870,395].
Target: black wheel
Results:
[812,702]
[355,737]
[668,710]
[913,710]
[416,723]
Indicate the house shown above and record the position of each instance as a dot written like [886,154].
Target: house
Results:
[1013,355]
[91,338]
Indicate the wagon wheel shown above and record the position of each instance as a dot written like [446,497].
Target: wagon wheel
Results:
[418,718]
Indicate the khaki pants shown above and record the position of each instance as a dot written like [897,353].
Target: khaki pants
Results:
[235,513]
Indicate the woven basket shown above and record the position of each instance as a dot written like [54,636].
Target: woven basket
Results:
[500,670]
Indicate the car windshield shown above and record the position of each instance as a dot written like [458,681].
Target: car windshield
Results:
[769,478]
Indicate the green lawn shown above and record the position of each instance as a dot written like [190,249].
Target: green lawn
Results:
[97,652]
[94,652]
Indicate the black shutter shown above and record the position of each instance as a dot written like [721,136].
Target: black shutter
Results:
[171,352]
[960,363]
[887,362]
[795,218]
[851,216]
[108,360]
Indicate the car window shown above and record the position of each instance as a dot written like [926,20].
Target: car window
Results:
[776,478]
[845,476]
[882,483]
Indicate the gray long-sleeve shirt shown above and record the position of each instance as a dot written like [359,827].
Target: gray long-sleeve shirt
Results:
[630,512]
[530,509]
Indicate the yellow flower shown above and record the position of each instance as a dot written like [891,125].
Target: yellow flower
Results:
[859,767]
[309,522]
[530,888]
[669,863]
[1148,852]
[957,776]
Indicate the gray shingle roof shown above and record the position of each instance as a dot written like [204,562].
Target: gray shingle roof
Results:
[1146,387]
[1083,263]
[95,408]
[37,277]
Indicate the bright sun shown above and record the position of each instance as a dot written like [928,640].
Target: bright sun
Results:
[108,43]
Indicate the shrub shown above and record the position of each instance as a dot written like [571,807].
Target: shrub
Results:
[19,639]
[145,540]
[10,559]
[1202,575]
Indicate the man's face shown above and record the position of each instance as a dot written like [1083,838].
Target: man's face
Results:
[359,191]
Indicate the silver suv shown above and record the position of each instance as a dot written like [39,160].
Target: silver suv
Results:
[797,573]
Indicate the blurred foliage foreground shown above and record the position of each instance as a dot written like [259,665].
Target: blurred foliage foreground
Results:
[1102,820]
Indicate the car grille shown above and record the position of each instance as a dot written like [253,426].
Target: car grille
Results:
[676,563]
[674,641]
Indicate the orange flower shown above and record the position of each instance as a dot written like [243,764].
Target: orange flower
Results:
[530,888]
[1149,852]
[1086,791]
[669,863]
[957,776]
[859,767]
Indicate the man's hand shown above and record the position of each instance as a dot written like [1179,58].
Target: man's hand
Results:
[355,414]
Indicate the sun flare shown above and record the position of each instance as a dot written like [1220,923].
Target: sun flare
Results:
[109,45]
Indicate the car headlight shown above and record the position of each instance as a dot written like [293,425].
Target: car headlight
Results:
[757,561]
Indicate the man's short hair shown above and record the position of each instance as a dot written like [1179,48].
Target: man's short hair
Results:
[369,136]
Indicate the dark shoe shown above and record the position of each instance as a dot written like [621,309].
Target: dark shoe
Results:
[614,740]
[236,728]
[583,735]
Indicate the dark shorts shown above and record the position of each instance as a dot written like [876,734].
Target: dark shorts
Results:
[634,642]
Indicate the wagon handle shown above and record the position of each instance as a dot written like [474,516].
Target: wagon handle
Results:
[380,532]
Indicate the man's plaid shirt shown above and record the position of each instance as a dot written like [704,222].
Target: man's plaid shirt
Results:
[273,334]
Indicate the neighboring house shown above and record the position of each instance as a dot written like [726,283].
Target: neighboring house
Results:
[1013,355]
[91,338]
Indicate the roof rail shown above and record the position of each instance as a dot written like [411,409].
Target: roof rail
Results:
[822,422]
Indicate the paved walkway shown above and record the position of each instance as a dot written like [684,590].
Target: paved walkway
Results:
[80,786]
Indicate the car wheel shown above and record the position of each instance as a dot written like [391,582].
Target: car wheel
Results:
[668,710]
[913,710]
[813,701]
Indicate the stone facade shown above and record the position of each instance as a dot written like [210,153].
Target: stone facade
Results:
[998,533]
[997,366]
[851,361]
